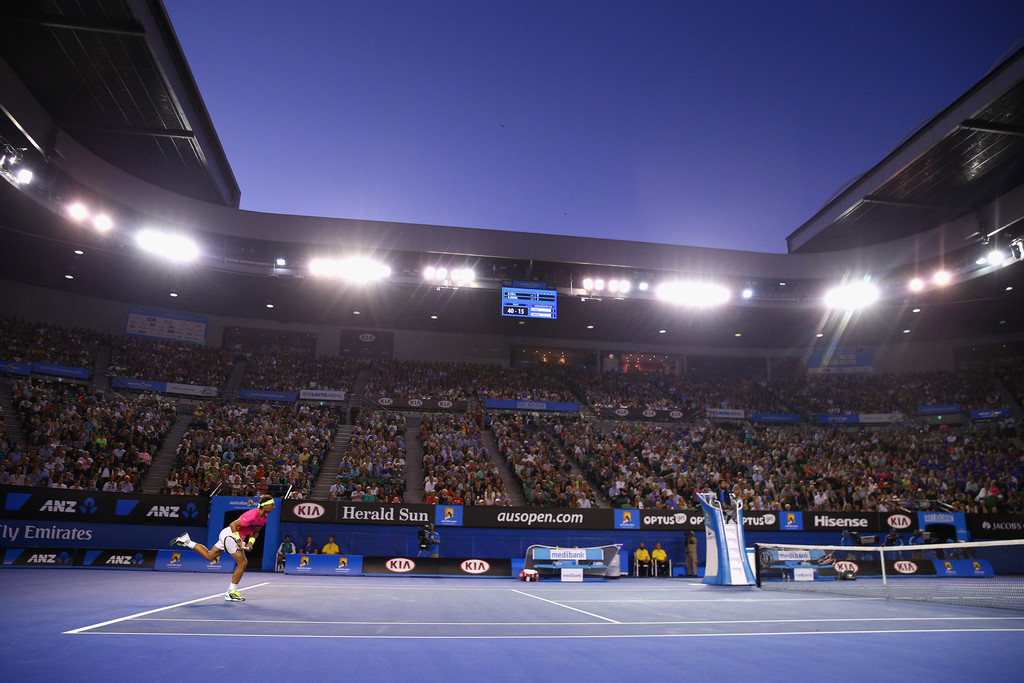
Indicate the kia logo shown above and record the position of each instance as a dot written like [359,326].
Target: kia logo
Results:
[621,412]
[384,401]
[444,404]
[415,402]
[899,521]
[367,337]
[308,510]
[905,567]
[846,566]
[649,413]
[675,414]
[400,564]
[475,566]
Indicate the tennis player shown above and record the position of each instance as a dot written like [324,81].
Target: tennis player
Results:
[233,539]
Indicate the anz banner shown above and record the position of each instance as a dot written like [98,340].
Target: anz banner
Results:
[64,505]
[80,557]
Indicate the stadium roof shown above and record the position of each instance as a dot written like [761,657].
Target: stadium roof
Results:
[102,91]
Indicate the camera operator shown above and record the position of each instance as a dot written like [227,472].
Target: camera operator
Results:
[429,541]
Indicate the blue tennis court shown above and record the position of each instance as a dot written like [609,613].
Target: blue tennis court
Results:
[92,625]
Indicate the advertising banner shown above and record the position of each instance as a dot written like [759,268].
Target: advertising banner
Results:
[841,361]
[777,418]
[639,414]
[67,505]
[60,370]
[996,527]
[324,565]
[78,557]
[432,566]
[185,560]
[322,395]
[276,396]
[947,409]
[551,406]
[142,322]
[416,403]
[15,368]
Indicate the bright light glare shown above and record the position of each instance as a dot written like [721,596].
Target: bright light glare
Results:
[599,284]
[693,293]
[995,257]
[352,269]
[77,212]
[23,176]
[747,293]
[463,275]
[102,222]
[916,285]
[588,283]
[942,278]
[172,247]
[852,296]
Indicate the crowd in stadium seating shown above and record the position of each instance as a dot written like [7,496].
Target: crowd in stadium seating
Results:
[456,467]
[28,342]
[799,467]
[165,361]
[423,380]
[545,473]
[251,449]
[278,371]
[82,441]
[806,466]
[373,467]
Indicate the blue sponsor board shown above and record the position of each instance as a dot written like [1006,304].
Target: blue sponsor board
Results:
[258,395]
[138,384]
[781,418]
[117,559]
[185,560]
[791,521]
[448,515]
[963,568]
[324,565]
[85,534]
[39,557]
[841,361]
[627,519]
[15,368]
[552,406]
[60,370]
[958,520]
[989,413]
[838,418]
[947,409]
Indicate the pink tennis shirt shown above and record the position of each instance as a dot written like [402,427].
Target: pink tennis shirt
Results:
[250,522]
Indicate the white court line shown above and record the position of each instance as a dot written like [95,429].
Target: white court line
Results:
[589,614]
[871,632]
[154,611]
[578,624]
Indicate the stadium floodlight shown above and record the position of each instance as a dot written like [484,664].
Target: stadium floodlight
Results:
[996,257]
[643,286]
[102,222]
[355,269]
[171,246]
[588,283]
[599,284]
[693,293]
[747,293]
[852,296]
[916,285]
[942,277]
[77,212]
[462,276]
[23,176]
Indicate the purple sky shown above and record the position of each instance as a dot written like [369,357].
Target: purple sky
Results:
[725,124]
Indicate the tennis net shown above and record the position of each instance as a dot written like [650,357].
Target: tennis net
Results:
[983,573]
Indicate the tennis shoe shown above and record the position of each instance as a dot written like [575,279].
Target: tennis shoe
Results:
[234,596]
[181,540]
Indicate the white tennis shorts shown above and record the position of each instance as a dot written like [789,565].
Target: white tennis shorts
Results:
[227,541]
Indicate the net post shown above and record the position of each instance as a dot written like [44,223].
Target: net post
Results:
[881,556]
[757,564]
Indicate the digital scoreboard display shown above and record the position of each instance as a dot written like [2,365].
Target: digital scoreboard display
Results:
[524,302]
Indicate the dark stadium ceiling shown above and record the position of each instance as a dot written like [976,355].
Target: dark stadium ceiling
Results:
[113,76]
[110,75]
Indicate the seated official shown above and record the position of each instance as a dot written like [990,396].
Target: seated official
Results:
[643,561]
[330,548]
[283,551]
[660,558]
[309,548]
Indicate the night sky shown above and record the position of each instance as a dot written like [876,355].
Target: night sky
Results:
[725,124]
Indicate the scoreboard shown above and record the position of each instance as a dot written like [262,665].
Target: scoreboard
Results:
[524,302]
